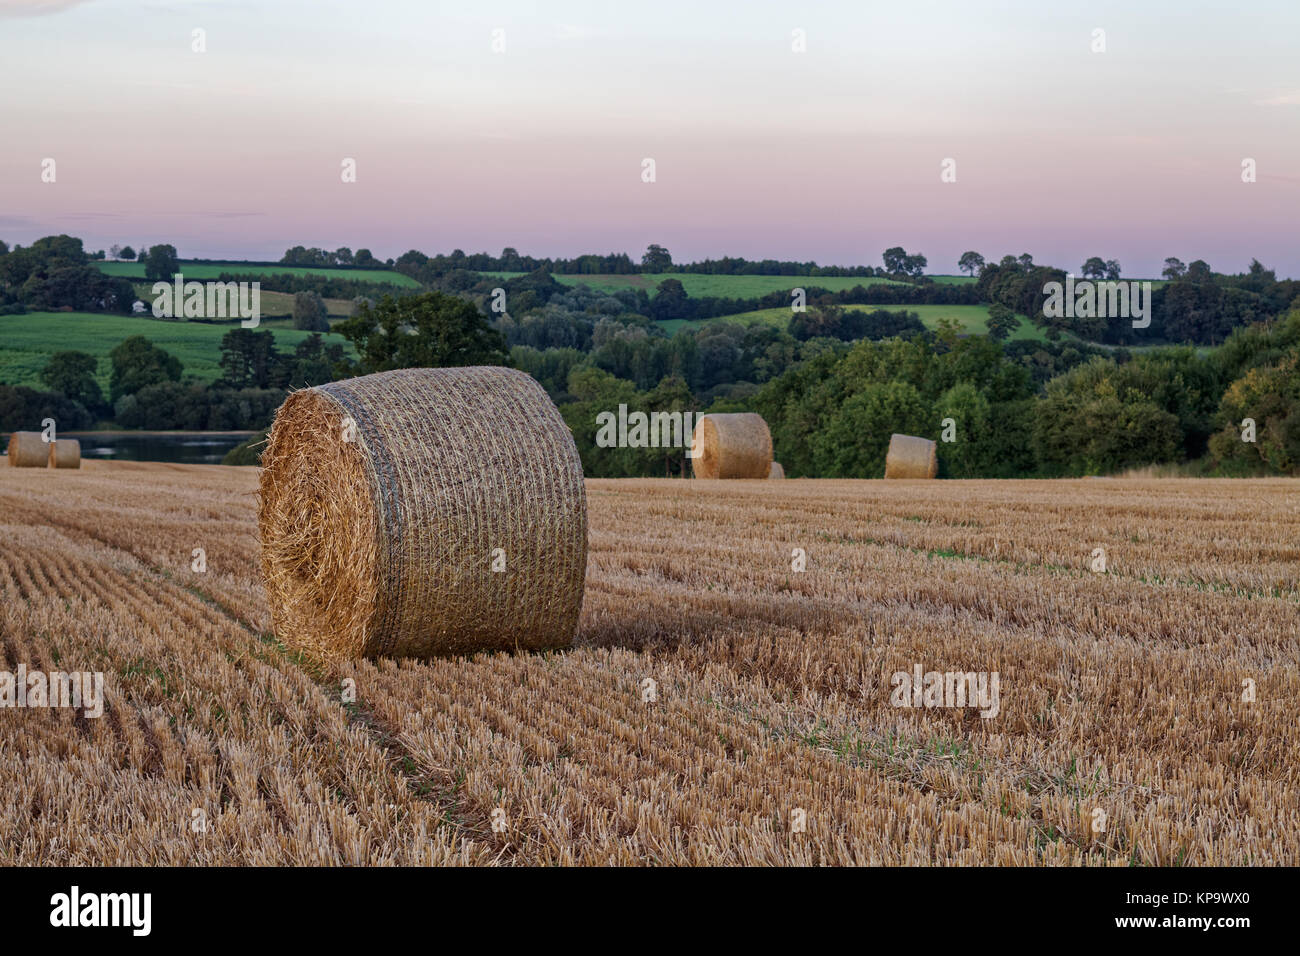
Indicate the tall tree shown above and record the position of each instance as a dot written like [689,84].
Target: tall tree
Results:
[309,312]
[313,362]
[1001,322]
[1094,268]
[429,330]
[970,262]
[656,259]
[671,301]
[72,374]
[137,362]
[895,258]
[161,263]
[250,360]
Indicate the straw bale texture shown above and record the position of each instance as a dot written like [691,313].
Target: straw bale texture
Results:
[27,450]
[65,453]
[735,445]
[911,457]
[384,545]
[776,470]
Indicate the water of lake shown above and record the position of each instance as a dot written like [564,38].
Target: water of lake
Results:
[190,448]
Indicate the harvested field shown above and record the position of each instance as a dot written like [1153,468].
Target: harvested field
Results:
[1119,691]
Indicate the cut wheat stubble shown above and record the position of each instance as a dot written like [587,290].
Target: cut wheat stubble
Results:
[384,545]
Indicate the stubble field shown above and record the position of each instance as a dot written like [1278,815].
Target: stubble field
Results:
[1121,737]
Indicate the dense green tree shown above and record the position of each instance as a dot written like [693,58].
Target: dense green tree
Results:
[670,301]
[249,359]
[72,374]
[173,405]
[550,366]
[82,288]
[137,363]
[970,262]
[895,259]
[656,259]
[967,454]
[309,312]
[1001,322]
[37,261]
[161,264]
[429,330]
[1092,422]
[530,291]
[1268,400]
[595,391]
[1204,312]
[855,440]
[23,409]
[829,320]
[1094,268]
[314,363]
[673,396]
[1263,363]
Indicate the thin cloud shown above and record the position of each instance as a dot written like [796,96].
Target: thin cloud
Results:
[573,31]
[36,8]
[1291,98]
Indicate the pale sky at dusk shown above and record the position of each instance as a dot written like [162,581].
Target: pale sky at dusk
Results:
[832,155]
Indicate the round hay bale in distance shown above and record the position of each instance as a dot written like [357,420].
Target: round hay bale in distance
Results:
[421,512]
[65,453]
[776,471]
[27,450]
[732,445]
[911,457]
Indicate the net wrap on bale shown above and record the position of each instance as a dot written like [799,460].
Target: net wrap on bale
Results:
[65,453]
[911,457]
[732,445]
[27,450]
[421,512]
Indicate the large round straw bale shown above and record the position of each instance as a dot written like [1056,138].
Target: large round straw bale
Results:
[65,453]
[736,445]
[421,512]
[911,457]
[776,470]
[27,450]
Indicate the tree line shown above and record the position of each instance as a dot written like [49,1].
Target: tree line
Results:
[833,386]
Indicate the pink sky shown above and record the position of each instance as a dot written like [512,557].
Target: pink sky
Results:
[833,154]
